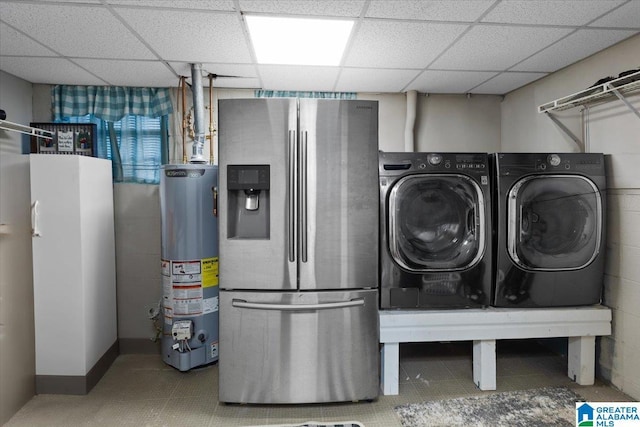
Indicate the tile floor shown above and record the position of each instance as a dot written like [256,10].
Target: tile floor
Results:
[140,390]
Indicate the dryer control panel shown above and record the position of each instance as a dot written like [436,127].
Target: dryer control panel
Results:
[513,164]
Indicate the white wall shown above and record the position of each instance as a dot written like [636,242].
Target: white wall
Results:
[523,129]
[458,123]
[139,284]
[615,130]
[17,345]
[392,110]
[619,359]
[443,122]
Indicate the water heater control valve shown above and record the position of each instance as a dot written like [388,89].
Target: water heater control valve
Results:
[182,330]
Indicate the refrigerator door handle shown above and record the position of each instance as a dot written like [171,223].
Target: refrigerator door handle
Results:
[291,206]
[238,303]
[303,197]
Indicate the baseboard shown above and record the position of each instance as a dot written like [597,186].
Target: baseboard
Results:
[139,346]
[77,384]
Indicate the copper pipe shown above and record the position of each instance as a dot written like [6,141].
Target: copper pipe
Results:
[211,129]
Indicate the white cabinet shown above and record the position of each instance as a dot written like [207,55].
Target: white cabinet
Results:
[74,275]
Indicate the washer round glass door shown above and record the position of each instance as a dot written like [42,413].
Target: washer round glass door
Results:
[554,222]
[436,222]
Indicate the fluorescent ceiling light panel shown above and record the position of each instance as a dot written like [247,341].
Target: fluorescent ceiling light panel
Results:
[298,41]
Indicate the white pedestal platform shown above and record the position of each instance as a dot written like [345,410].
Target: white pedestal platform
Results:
[484,326]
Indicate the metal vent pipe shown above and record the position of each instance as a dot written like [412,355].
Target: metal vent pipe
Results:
[409,142]
[197,155]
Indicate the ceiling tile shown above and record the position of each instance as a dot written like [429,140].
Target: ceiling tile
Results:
[75,31]
[373,80]
[72,1]
[181,4]
[190,36]
[58,71]
[343,8]
[628,15]
[16,43]
[382,44]
[506,82]
[571,49]
[130,73]
[281,77]
[449,81]
[442,10]
[237,83]
[496,48]
[549,12]
[150,42]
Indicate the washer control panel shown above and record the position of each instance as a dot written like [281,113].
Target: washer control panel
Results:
[399,163]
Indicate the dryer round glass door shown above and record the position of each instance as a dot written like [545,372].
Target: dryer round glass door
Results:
[554,222]
[436,222]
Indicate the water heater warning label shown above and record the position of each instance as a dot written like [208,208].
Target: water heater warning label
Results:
[182,283]
[191,292]
[188,268]
[210,272]
[210,305]
[187,307]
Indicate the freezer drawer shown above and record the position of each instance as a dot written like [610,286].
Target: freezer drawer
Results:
[298,347]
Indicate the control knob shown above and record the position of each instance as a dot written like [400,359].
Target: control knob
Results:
[434,159]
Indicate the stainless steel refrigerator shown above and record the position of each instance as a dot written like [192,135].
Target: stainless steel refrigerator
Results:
[298,250]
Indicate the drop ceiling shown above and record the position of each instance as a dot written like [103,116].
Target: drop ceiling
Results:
[480,46]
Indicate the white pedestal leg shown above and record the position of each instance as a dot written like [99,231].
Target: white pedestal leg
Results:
[582,359]
[484,364]
[390,359]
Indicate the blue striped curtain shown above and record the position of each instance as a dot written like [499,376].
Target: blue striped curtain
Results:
[109,103]
[131,121]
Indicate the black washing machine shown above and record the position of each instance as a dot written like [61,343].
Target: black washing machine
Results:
[435,219]
[549,219]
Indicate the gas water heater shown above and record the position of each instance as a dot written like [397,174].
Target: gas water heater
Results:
[189,265]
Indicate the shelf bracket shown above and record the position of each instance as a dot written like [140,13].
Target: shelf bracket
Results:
[626,102]
[566,130]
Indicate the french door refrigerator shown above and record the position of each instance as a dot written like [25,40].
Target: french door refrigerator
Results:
[298,250]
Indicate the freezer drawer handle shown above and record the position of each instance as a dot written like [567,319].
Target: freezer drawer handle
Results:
[297,307]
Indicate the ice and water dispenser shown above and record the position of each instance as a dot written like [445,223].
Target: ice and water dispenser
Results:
[248,201]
